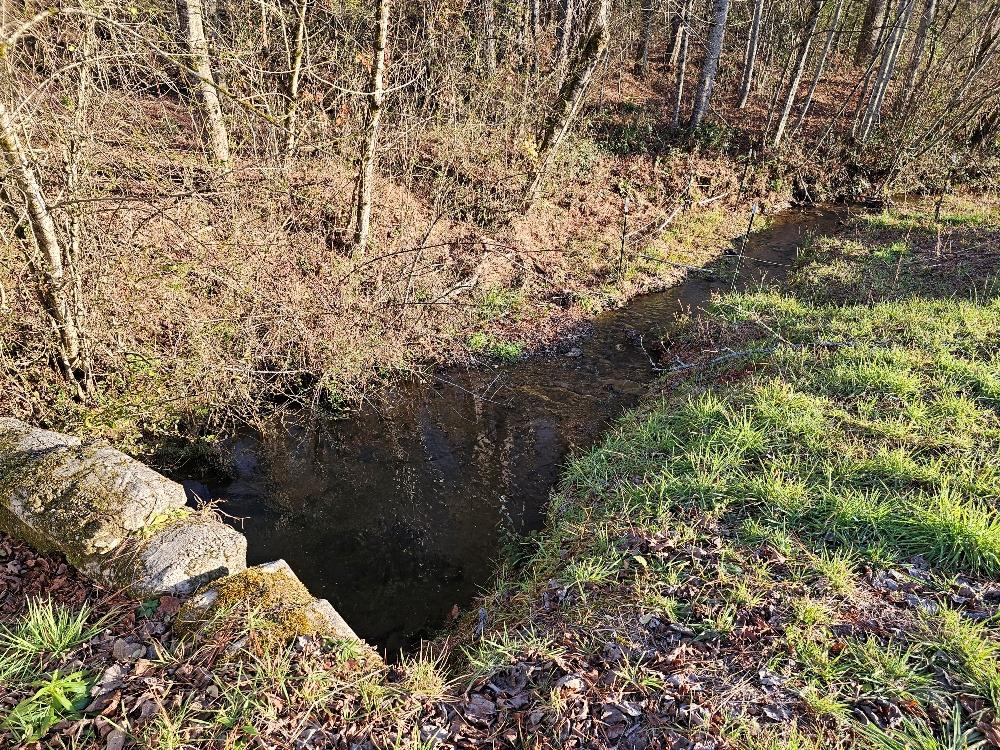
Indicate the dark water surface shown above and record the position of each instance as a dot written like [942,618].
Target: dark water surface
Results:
[396,514]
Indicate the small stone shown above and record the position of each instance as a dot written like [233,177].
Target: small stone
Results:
[116,740]
[121,649]
[571,683]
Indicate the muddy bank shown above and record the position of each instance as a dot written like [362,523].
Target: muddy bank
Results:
[397,515]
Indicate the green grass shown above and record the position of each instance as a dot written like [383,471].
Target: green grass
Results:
[46,631]
[496,347]
[851,436]
[57,697]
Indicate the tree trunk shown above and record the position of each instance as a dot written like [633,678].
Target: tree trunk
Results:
[674,45]
[681,70]
[886,69]
[919,43]
[534,19]
[571,95]
[373,118]
[567,21]
[831,35]
[800,67]
[870,29]
[750,58]
[190,14]
[490,37]
[710,66]
[291,123]
[56,284]
[642,53]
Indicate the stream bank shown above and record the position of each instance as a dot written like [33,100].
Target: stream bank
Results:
[398,514]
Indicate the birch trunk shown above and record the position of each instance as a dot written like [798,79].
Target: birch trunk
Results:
[674,45]
[490,37]
[373,119]
[919,43]
[681,70]
[571,95]
[567,21]
[800,66]
[886,69]
[55,279]
[190,14]
[750,59]
[703,95]
[831,36]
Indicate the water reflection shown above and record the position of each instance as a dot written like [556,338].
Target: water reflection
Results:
[396,514]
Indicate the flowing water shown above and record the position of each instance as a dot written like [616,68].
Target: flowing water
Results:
[397,514]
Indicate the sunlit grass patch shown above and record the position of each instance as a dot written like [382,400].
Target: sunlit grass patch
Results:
[46,630]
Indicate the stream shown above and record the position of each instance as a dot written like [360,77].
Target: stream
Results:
[397,514]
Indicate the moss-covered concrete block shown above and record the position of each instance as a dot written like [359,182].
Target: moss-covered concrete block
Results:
[186,554]
[273,597]
[115,519]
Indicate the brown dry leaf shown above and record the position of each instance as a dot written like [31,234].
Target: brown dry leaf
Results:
[991,731]
[169,606]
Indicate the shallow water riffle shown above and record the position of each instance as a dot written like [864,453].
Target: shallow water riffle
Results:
[397,514]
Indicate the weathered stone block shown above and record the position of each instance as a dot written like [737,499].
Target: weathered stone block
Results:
[282,605]
[114,518]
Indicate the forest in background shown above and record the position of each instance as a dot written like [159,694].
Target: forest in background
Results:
[212,208]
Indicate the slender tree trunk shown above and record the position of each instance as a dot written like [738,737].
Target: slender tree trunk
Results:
[776,95]
[886,70]
[373,118]
[800,67]
[642,53]
[55,287]
[490,37]
[534,18]
[919,43]
[674,45]
[750,58]
[831,35]
[710,66]
[190,14]
[681,69]
[567,23]
[870,29]
[295,76]
[571,95]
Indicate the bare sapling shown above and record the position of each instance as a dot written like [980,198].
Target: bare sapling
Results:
[373,119]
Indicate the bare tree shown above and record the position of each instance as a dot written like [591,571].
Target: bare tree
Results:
[291,123]
[681,70]
[58,287]
[645,36]
[373,118]
[800,67]
[919,43]
[710,65]
[571,95]
[886,69]
[871,28]
[831,36]
[190,15]
[750,58]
